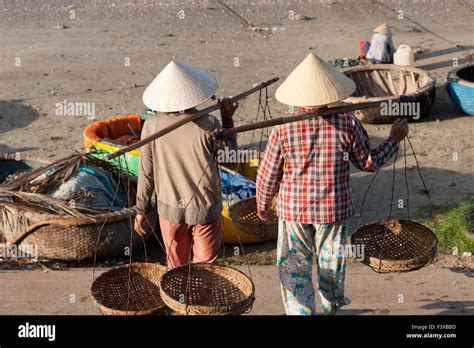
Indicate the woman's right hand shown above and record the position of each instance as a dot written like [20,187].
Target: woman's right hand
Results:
[399,130]
[140,224]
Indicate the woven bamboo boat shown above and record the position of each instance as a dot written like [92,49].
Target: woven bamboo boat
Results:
[102,136]
[130,290]
[49,236]
[461,87]
[14,163]
[395,245]
[46,235]
[244,215]
[207,289]
[377,82]
[11,163]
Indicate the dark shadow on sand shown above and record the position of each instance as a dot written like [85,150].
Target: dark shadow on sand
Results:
[467,271]
[15,114]
[452,307]
[442,52]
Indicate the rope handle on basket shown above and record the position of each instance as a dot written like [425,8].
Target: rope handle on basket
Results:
[393,183]
[264,109]
[389,213]
[365,195]
[426,191]
[406,178]
[250,308]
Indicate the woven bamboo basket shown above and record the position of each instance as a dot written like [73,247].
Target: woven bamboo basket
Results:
[130,290]
[211,290]
[377,82]
[408,245]
[71,239]
[244,215]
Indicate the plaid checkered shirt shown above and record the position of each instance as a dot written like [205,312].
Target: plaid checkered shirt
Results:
[306,165]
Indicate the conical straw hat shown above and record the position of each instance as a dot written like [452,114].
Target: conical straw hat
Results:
[179,87]
[314,82]
[382,29]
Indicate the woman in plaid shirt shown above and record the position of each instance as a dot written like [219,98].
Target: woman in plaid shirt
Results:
[313,193]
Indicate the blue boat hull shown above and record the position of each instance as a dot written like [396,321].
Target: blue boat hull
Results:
[461,87]
[462,96]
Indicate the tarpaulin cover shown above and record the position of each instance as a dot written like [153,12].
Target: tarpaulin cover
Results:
[236,187]
[101,191]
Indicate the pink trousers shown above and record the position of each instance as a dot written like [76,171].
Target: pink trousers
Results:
[206,241]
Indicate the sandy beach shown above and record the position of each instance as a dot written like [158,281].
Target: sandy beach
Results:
[111,50]
[105,53]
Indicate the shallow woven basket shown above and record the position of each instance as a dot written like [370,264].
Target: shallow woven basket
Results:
[130,290]
[211,289]
[244,215]
[408,245]
[64,238]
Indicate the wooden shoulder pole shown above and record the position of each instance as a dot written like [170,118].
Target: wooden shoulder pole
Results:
[186,119]
[304,116]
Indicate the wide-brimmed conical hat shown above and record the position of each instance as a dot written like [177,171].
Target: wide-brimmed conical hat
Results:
[314,82]
[382,29]
[178,87]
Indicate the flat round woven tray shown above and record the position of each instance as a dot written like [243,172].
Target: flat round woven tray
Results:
[130,290]
[244,215]
[211,290]
[407,246]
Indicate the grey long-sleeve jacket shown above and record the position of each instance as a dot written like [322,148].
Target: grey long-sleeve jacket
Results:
[181,168]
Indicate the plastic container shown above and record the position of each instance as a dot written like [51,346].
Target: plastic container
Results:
[404,56]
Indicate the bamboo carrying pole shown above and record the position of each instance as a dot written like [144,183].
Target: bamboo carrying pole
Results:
[262,124]
[187,119]
[305,116]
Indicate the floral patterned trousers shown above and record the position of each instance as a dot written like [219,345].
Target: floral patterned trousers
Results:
[296,243]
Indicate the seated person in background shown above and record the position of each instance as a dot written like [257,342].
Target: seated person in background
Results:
[380,50]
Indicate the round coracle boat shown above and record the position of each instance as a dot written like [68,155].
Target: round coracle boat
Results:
[113,134]
[378,82]
[461,87]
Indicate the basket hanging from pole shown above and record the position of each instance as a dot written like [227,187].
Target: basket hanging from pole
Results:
[132,289]
[408,245]
[211,290]
[244,215]
[396,245]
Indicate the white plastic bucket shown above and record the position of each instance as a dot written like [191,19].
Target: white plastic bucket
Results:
[405,56]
